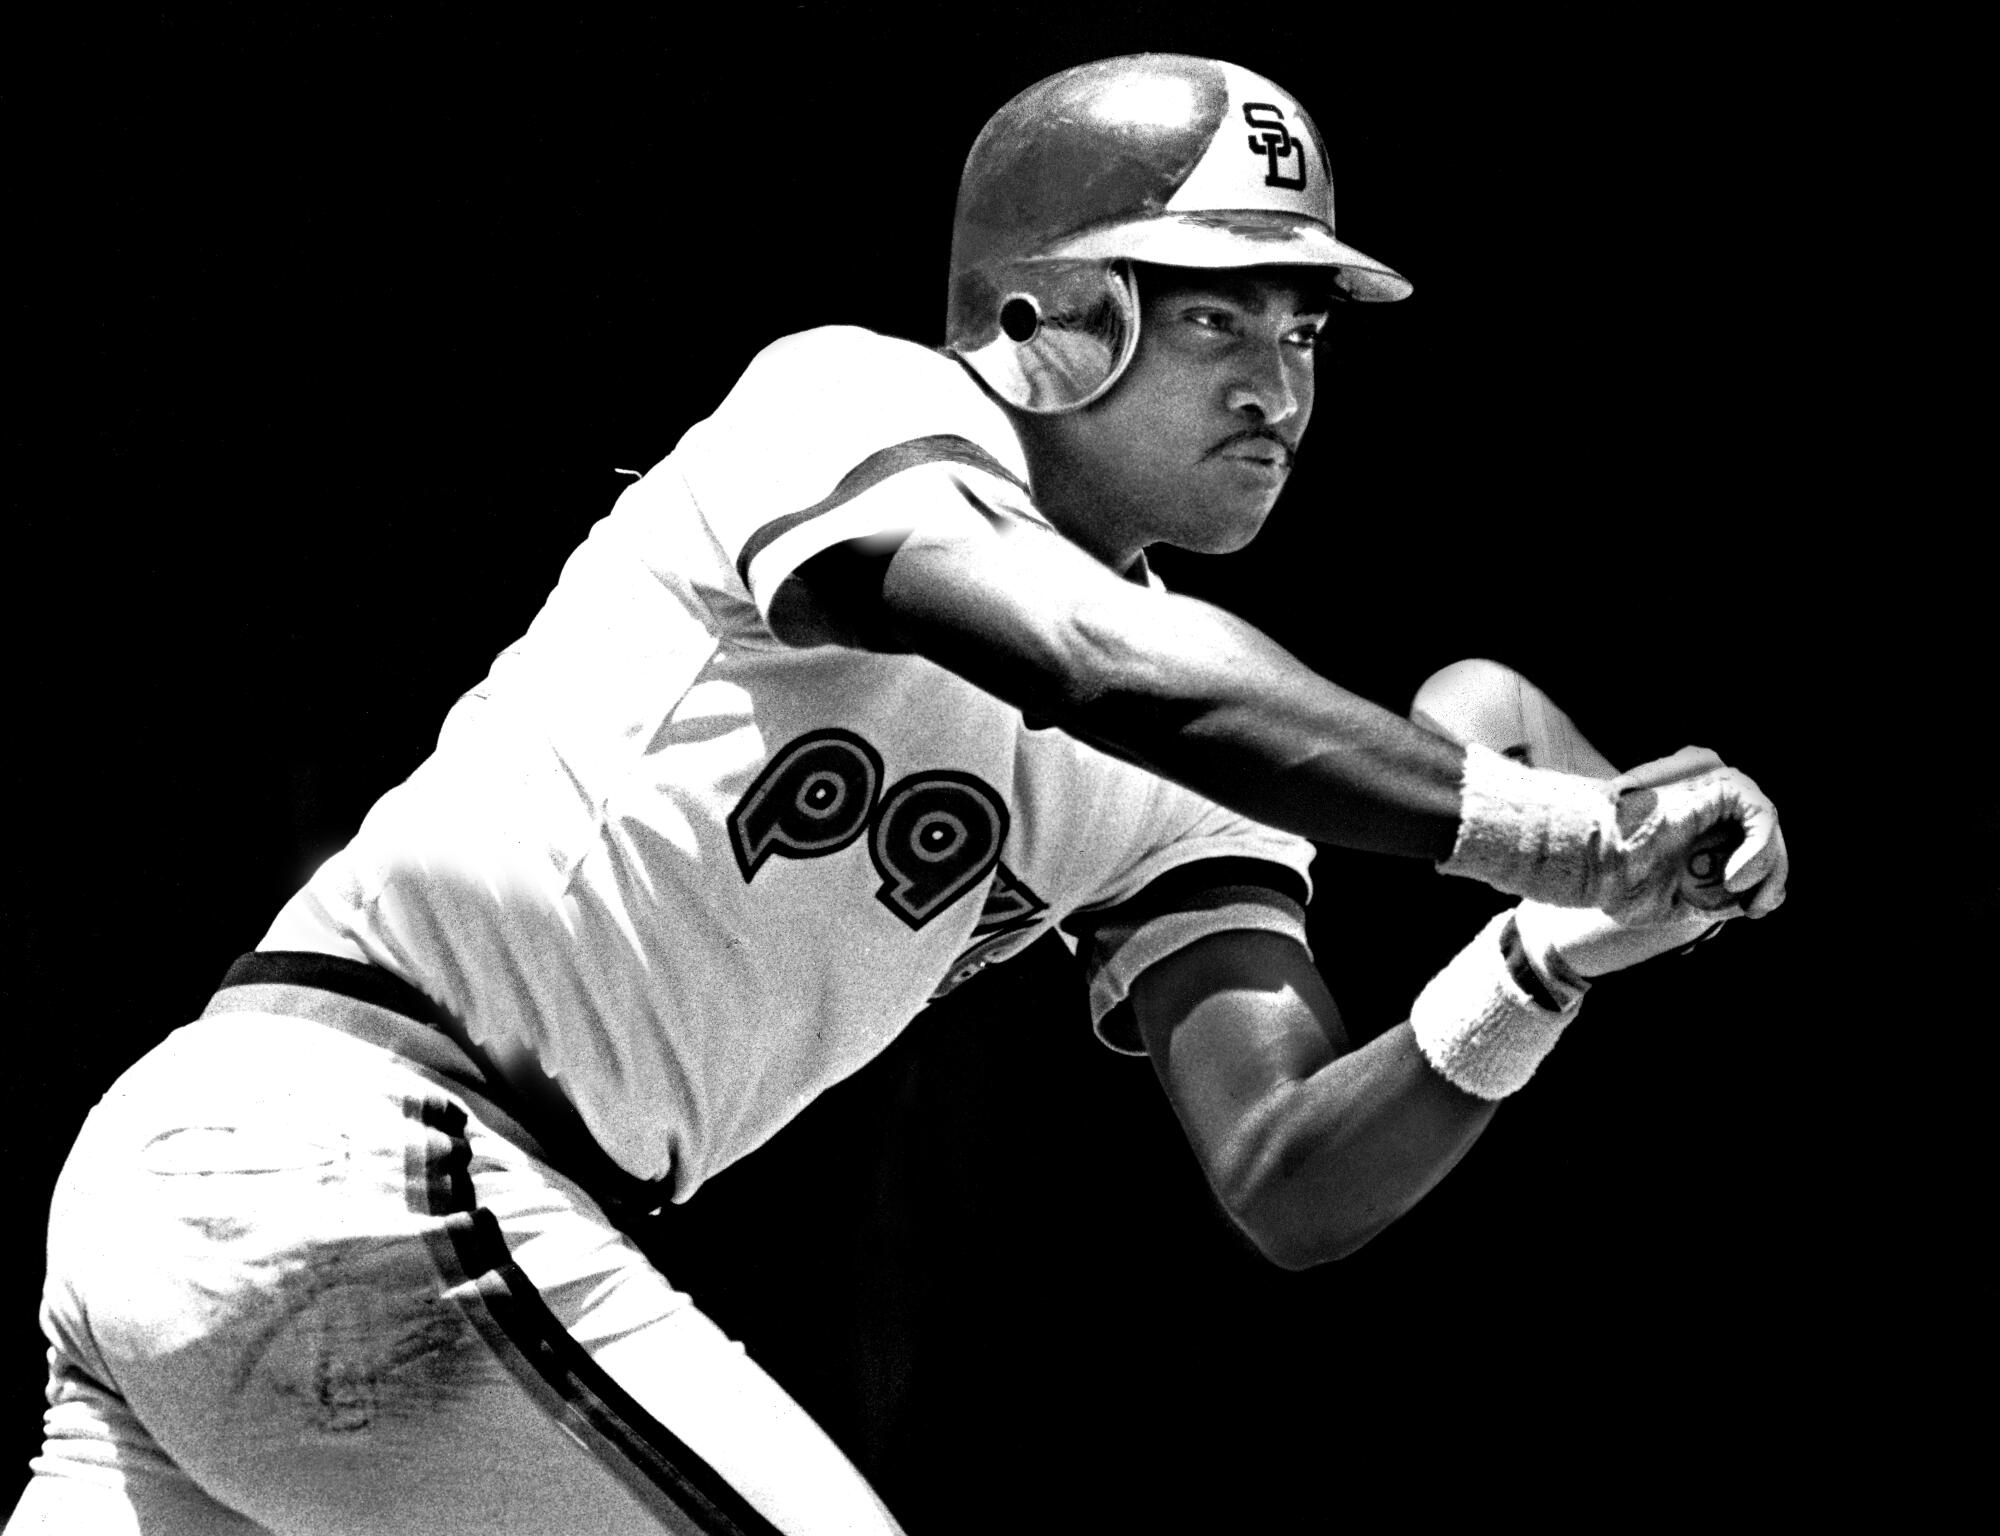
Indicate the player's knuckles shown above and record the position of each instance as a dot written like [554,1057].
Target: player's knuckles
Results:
[1736,782]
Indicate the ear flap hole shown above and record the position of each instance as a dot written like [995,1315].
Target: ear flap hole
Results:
[1020,318]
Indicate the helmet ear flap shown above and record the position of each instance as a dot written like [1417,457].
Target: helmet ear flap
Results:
[1049,336]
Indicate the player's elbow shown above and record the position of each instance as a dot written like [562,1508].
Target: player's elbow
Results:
[1304,1193]
[1287,1249]
[1293,1220]
[1294,1243]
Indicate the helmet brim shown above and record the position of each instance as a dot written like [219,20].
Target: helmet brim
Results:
[1237,238]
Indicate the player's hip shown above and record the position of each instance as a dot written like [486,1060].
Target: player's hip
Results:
[282,1252]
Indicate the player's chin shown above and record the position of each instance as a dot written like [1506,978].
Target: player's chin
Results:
[1232,525]
[1214,541]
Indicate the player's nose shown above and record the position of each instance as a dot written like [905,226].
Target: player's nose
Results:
[1262,386]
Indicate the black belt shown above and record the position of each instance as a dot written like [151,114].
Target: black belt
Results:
[570,1148]
[333,973]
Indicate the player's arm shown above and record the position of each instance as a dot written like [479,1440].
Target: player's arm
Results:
[1202,698]
[1175,684]
[1311,1148]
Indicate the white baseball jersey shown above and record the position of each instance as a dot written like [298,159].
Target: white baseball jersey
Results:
[702,874]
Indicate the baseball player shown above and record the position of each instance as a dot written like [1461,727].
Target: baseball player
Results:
[865,687]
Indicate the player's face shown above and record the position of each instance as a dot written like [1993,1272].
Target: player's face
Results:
[1194,444]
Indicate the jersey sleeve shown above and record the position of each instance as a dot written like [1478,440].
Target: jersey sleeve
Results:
[1209,871]
[840,434]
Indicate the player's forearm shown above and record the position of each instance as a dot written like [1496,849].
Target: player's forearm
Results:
[1196,695]
[1212,703]
[1341,1154]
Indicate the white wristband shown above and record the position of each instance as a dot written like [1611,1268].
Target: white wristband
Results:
[1531,832]
[1478,1026]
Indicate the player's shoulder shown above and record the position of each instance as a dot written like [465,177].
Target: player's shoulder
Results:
[847,356]
[840,393]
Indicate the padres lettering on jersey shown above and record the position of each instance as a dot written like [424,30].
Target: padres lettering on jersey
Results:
[702,874]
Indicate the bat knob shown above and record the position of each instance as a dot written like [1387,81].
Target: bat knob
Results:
[1706,863]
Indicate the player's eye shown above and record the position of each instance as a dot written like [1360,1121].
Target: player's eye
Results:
[1307,337]
[1209,319]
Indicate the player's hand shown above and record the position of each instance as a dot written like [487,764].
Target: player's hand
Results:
[1587,942]
[1677,816]
[1702,886]
[1683,832]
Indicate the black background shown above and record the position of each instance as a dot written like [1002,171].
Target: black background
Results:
[337,332]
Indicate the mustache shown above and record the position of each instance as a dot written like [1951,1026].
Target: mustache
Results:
[1249,435]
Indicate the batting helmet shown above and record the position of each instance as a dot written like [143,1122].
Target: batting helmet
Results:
[1155,157]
